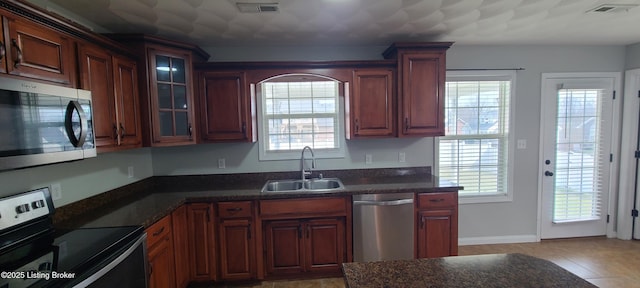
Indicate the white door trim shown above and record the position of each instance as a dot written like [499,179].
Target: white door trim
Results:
[615,145]
[627,159]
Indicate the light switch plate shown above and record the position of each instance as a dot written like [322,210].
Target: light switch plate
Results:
[222,163]
[368,159]
[522,143]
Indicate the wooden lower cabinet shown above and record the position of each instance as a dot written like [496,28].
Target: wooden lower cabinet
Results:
[314,246]
[161,254]
[181,245]
[437,225]
[202,242]
[237,249]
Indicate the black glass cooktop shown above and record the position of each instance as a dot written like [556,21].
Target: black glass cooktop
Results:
[79,253]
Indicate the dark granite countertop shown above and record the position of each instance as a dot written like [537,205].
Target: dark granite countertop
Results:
[154,200]
[495,270]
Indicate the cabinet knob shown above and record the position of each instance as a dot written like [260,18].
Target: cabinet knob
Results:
[3,51]
[406,124]
[357,126]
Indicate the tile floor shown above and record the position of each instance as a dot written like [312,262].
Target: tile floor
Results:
[604,262]
[601,261]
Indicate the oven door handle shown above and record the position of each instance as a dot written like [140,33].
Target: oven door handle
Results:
[114,263]
[84,126]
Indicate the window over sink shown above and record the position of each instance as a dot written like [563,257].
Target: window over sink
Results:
[299,110]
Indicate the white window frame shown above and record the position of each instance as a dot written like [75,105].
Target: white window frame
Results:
[489,75]
[265,155]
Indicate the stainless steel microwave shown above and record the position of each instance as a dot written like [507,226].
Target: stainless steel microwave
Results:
[42,124]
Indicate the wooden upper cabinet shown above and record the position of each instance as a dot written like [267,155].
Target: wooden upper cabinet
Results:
[167,102]
[96,75]
[112,80]
[3,48]
[421,81]
[372,105]
[125,81]
[38,52]
[170,96]
[227,111]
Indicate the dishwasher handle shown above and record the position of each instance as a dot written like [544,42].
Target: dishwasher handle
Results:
[383,203]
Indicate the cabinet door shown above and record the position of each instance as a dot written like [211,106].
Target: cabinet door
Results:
[422,94]
[225,107]
[283,242]
[96,75]
[126,94]
[3,48]
[201,242]
[434,233]
[161,273]
[171,97]
[237,249]
[37,52]
[181,245]
[372,104]
[325,245]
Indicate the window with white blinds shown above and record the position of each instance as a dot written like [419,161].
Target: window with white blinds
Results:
[296,113]
[475,149]
[582,154]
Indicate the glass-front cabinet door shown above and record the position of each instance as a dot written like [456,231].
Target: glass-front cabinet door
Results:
[171,97]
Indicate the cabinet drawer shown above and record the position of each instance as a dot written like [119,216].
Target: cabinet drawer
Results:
[303,207]
[158,231]
[240,209]
[437,200]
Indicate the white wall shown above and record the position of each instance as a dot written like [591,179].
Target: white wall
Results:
[633,56]
[81,179]
[515,221]
[243,157]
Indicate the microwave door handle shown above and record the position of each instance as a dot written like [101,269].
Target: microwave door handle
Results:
[84,126]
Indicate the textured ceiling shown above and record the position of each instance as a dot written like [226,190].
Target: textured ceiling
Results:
[365,22]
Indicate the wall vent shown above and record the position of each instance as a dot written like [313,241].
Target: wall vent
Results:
[612,8]
[257,7]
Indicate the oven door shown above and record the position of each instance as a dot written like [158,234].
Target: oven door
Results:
[125,268]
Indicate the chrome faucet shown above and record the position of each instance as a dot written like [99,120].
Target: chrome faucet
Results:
[302,163]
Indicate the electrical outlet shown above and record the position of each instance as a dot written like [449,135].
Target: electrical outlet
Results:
[56,191]
[368,159]
[222,163]
[130,172]
[402,157]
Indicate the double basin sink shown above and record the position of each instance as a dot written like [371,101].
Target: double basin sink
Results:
[318,185]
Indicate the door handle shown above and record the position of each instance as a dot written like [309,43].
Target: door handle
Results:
[548,173]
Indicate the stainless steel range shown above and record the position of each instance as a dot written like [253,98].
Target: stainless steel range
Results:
[34,254]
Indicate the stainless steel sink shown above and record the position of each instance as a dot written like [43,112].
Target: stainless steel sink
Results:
[309,186]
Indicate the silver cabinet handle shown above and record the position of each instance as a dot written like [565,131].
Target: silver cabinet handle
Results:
[383,203]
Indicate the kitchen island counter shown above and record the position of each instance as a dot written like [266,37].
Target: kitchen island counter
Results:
[495,270]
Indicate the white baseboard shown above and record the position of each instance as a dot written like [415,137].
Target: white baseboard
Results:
[497,240]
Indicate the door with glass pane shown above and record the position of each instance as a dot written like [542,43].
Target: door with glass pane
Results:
[576,150]
[172,98]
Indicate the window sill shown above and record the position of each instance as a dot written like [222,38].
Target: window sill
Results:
[484,199]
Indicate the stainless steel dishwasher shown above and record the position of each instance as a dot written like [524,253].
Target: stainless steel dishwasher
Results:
[383,227]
